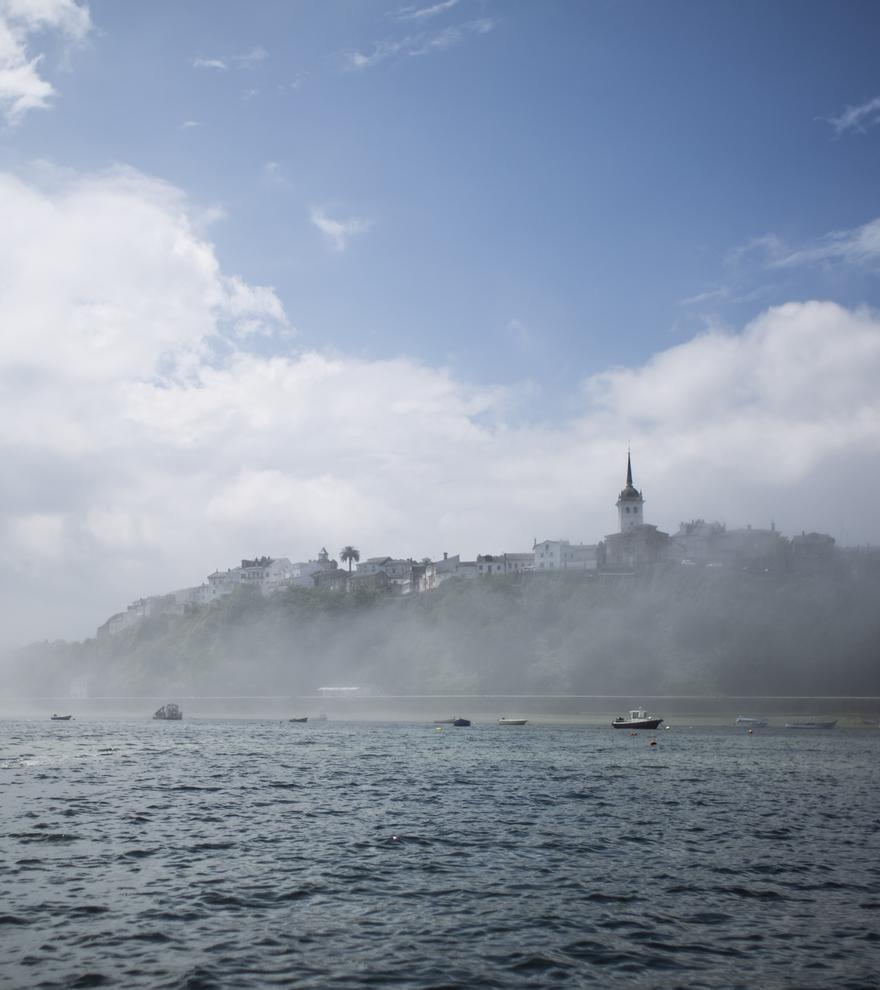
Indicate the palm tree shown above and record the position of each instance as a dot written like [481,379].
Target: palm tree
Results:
[350,554]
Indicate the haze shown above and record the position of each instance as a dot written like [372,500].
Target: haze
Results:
[275,276]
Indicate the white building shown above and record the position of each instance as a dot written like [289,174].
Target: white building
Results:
[560,555]
[638,544]
[630,503]
[438,571]
[504,563]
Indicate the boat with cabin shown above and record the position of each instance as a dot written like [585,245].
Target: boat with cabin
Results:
[504,720]
[61,718]
[638,719]
[169,713]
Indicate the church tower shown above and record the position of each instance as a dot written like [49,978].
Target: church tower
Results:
[630,502]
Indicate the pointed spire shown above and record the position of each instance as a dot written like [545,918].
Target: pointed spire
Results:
[629,470]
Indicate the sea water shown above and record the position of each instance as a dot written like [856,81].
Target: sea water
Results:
[211,853]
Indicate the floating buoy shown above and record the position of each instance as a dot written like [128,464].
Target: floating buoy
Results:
[750,731]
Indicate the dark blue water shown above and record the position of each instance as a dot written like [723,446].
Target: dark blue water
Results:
[256,854]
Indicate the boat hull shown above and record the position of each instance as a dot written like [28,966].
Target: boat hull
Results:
[811,725]
[639,723]
[512,721]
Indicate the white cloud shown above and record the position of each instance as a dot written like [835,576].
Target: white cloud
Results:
[424,43]
[338,233]
[413,13]
[859,118]
[251,58]
[712,295]
[22,88]
[137,458]
[859,246]
[246,60]
[209,63]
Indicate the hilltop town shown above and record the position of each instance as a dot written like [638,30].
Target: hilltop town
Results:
[636,547]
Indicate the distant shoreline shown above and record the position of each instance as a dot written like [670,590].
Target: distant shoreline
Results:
[676,710]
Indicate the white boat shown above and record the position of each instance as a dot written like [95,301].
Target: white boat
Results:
[638,719]
[504,720]
[813,724]
[751,723]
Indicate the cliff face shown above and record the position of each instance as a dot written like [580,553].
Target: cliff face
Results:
[676,631]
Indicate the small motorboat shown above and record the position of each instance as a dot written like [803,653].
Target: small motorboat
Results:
[812,724]
[304,718]
[638,719]
[61,718]
[751,723]
[169,713]
[504,720]
[461,722]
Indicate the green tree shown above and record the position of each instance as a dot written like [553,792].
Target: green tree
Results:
[349,554]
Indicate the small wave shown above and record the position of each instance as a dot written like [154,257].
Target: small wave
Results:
[538,963]
[90,980]
[44,836]
[751,893]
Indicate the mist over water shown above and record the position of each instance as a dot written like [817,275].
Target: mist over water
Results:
[673,631]
[253,853]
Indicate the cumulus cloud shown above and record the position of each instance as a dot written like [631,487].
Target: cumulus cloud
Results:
[22,88]
[138,457]
[338,233]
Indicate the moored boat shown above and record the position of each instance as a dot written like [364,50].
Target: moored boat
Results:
[169,713]
[638,719]
[61,718]
[751,723]
[304,718]
[461,722]
[812,724]
[504,720]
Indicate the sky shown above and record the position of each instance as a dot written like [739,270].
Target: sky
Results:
[414,276]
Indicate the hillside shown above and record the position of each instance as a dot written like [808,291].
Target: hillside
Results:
[675,631]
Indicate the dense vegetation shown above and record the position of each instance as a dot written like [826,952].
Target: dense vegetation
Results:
[675,631]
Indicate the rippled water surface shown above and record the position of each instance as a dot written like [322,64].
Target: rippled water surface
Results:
[255,854]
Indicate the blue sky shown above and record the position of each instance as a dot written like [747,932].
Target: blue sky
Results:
[560,175]
[542,212]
